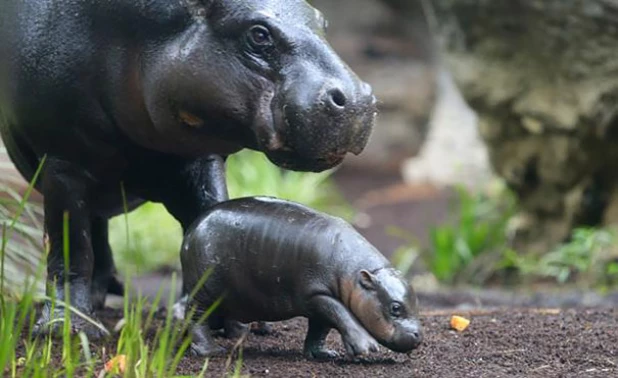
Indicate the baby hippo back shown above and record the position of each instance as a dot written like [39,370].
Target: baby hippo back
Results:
[267,255]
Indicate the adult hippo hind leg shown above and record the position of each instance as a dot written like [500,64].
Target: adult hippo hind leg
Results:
[66,190]
[314,342]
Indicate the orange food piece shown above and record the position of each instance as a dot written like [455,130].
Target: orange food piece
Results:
[117,364]
[459,323]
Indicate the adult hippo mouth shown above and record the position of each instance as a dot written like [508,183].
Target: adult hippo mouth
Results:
[315,122]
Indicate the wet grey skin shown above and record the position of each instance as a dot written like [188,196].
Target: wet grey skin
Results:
[148,98]
[271,260]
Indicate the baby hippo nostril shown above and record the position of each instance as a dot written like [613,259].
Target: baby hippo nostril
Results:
[337,99]
[417,336]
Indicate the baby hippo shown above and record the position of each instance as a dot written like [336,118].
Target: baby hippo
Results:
[268,260]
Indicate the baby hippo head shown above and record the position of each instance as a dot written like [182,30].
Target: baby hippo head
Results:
[387,307]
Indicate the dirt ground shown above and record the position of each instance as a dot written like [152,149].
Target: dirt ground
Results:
[533,333]
[541,342]
[507,343]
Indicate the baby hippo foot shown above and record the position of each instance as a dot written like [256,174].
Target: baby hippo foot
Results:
[52,323]
[360,344]
[203,345]
[206,350]
[315,341]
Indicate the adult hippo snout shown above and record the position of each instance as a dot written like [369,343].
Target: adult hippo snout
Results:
[327,113]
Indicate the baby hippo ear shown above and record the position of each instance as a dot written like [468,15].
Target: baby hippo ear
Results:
[367,280]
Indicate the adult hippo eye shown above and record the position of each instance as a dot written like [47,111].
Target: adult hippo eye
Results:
[259,36]
[396,309]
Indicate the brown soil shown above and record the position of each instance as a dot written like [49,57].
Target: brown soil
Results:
[498,343]
[501,343]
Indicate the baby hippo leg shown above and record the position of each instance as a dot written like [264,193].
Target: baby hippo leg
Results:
[234,329]
[203,344]
[314,342]
[356,339]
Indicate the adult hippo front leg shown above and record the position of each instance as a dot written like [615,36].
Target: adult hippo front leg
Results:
[191,188]
[104,280]
[66,188]
[187,188]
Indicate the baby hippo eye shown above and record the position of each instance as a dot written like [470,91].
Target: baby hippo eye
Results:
[259,36]
[396,309]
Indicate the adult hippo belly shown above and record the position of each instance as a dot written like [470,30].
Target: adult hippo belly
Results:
[145,99]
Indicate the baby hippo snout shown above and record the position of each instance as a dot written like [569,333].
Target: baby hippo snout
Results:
[408,336]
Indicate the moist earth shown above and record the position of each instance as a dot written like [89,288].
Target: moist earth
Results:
[499,342]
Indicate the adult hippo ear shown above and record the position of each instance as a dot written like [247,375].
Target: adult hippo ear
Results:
[261,75]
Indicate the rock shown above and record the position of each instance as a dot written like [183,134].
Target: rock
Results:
[542,77]
[454,153]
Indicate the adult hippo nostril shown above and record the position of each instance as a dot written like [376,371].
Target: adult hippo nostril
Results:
[336,99]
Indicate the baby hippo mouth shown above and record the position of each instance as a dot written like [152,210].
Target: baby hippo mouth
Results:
[407,337]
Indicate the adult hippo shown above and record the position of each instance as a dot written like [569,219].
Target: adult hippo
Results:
[143,100]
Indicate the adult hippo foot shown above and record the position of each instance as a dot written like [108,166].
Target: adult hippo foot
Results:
[262,329]
[52,323]
[103,285]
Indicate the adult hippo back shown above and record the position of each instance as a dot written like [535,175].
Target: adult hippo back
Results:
[145,99]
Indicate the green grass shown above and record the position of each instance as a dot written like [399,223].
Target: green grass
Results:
[155,236]
[589,259]
[471,248]
[151,347]
[474,249]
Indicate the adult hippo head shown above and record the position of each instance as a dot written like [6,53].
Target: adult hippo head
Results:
[262,72]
